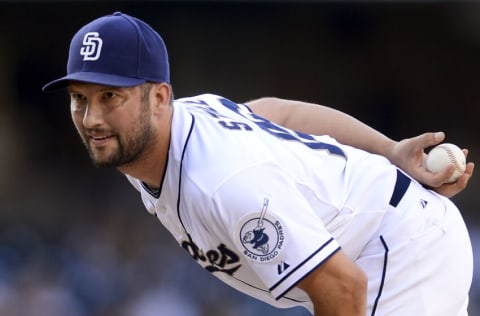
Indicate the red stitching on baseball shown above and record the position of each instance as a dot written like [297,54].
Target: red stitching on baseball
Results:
[451,156]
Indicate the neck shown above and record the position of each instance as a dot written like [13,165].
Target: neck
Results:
[150,166]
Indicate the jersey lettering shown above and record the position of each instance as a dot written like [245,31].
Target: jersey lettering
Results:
[223,120]
[221,259]
[281,132]
[235,125]
[264,124]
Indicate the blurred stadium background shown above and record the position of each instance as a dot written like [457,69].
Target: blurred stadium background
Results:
[75,240]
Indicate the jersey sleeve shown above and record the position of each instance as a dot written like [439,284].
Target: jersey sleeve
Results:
[274,226]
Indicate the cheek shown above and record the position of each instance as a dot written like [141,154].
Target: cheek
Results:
[129,120]
[77,120]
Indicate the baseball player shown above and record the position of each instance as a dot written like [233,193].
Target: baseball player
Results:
[284,216]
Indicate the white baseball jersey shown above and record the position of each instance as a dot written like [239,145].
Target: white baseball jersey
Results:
[260,206]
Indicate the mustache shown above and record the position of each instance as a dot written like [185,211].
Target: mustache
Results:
[98,131]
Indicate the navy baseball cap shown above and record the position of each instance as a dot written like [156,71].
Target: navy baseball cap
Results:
[115,50]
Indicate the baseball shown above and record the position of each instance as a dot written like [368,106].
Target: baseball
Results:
[441,156]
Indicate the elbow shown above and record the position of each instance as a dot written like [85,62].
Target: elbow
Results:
[337,289]
[352,288]
[357,287]
[355,293]
[350,294]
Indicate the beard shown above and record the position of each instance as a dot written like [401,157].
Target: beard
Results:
[129,148]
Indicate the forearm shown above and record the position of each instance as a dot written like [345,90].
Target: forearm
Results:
[321,120]
[351,301]
[337,287]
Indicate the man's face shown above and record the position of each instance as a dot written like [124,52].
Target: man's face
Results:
[114,123]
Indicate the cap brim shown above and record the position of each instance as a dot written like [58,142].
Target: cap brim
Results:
[93,77]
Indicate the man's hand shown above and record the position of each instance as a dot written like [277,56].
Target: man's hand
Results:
[409,154]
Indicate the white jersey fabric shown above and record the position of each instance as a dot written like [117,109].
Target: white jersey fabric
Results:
[260,206]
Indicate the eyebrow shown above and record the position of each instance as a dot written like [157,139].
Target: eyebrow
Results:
[99,88]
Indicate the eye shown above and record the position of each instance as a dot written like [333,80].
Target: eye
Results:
[109,95]
[77,97]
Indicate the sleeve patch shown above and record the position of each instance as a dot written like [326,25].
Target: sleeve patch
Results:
[260,236]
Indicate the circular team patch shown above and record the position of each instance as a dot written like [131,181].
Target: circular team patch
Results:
[261,236]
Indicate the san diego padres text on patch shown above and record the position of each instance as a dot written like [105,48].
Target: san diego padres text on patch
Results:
[261,236]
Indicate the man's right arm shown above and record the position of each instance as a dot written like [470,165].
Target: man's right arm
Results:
[408,154]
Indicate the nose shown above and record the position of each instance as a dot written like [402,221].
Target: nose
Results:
[93,116]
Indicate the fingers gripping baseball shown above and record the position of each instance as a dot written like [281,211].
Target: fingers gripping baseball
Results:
[409,154]
[451,189]
[442,157]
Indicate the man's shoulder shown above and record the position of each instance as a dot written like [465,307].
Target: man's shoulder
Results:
[204,97]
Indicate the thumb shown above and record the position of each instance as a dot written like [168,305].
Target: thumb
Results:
[430,139]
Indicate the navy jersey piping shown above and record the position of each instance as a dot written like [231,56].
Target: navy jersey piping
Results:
[384,272]
[156,192]
[262,290]
[300,265]
[180,175]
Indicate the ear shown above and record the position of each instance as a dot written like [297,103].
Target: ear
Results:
[161,95]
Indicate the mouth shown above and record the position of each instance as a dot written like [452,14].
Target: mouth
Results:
[100,140]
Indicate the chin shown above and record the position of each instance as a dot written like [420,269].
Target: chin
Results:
[102,161]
